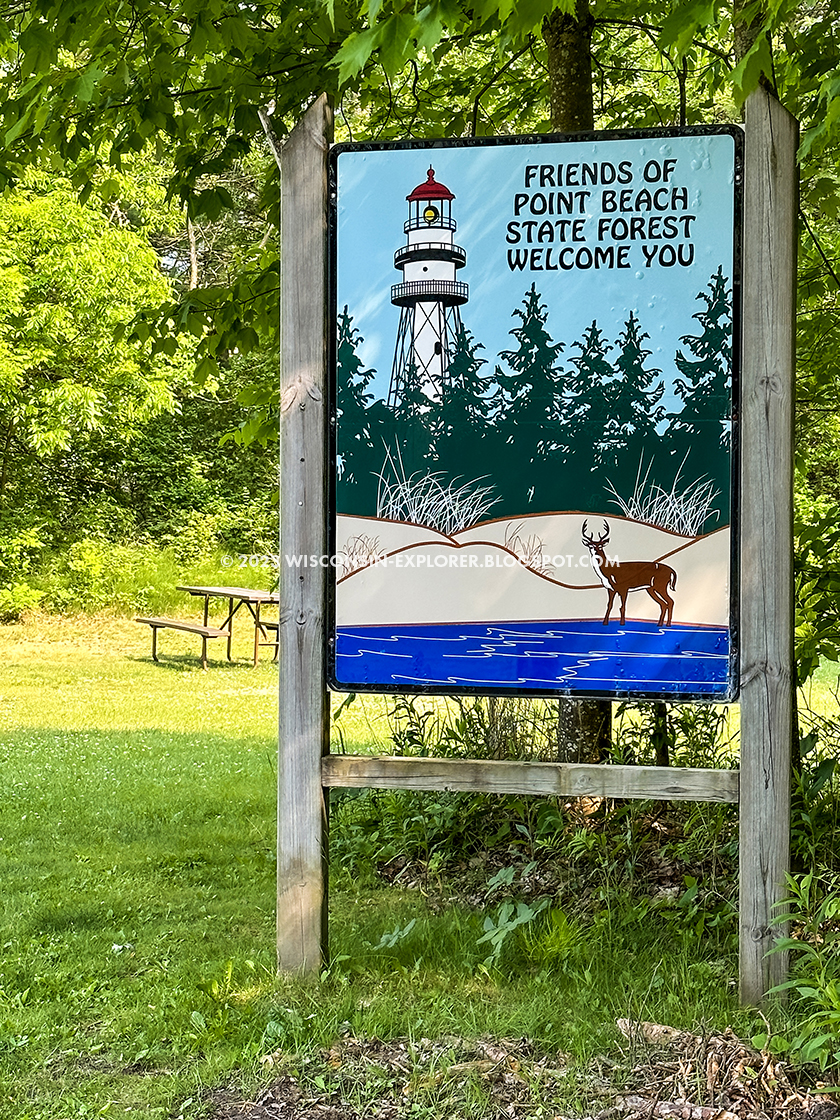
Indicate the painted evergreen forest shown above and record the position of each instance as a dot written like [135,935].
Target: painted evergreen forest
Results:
[549,426]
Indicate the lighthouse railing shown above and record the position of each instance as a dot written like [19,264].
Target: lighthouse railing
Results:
[438,223]
[446,291]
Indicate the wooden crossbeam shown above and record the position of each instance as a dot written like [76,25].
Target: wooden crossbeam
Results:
[542,779]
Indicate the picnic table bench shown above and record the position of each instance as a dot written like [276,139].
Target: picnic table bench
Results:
[251,598]
[191,627]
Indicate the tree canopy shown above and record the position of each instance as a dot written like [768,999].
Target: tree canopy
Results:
[68,279]
[89,89]
[88,86]
[96,82]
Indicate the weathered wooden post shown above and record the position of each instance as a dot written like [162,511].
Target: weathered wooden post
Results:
[767,685]
[304,708]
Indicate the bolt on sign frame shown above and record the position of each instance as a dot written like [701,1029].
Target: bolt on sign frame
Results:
[598,390]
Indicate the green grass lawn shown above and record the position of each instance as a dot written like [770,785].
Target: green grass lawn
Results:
[137,833]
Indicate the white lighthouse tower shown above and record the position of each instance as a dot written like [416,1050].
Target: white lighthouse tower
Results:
[429,294]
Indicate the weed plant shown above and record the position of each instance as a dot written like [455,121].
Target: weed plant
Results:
[476,727]
[809,918]
[104,561]
[92,575]
[523,861]
[676,863]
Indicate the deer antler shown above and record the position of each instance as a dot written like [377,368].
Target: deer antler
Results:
[588,539]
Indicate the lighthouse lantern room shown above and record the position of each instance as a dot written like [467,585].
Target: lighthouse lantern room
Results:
[430,295]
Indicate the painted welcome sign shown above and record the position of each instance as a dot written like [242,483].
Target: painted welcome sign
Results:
[534,370]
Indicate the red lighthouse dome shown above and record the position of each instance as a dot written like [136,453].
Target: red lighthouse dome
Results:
[430,189]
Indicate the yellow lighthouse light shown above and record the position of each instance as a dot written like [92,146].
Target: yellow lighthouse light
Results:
[431,214]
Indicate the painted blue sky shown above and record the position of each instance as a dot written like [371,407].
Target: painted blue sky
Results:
[371,210]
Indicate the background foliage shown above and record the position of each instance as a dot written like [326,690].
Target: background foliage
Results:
[152,112]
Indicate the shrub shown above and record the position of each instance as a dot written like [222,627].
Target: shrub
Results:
[95,575]
[19,550]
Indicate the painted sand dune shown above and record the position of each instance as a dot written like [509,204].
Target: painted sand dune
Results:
[519,570]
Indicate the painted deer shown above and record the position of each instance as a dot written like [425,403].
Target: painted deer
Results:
[637,575]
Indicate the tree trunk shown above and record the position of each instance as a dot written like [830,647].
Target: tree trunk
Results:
[661,734]
[747,22]
[583,726]
[193,255]
[4,471]
[568,40]
[583,730]
[268,128]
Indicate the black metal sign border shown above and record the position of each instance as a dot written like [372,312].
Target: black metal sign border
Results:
[731,695]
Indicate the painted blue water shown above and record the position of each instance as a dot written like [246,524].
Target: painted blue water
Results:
[639,657]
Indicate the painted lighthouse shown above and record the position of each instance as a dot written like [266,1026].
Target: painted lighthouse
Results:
[429,295]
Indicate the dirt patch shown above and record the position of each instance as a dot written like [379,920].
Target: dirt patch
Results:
[663,1074]
[710,1077]
[283,1098]
[368,1079]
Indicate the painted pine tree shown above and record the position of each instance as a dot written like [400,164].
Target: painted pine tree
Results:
[362,425]
[699,435]
[461,434]
[590,424]
[631,436]
[406,450]
[527,406]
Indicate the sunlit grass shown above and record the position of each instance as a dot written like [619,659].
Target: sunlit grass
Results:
[137,831]
[822,692]
[137,839]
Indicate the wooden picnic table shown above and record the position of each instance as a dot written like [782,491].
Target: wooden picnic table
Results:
[239,597]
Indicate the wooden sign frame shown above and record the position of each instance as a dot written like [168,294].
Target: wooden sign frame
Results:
[761,788]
